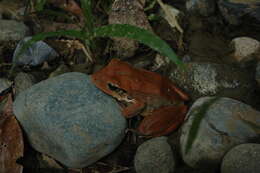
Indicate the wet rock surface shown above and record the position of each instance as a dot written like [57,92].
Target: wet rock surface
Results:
[225,124]
[241,159]
[205,79]
[69,119]
[153,156]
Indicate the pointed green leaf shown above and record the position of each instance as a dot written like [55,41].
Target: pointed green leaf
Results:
[88,17]
[139,34]
[198,113]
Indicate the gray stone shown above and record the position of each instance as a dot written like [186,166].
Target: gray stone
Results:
[11,30]
[35,55]
[68,118]
[23,81]
[206,79]
[128,12]
[245,49]
[201,7]
[154,156]
[225,124]
[243,158]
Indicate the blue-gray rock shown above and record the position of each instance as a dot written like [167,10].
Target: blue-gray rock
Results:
[243,158]
[68,118]
[11,30]
[225,124]
[154,156]
[201,7]
[35,55]
[23,81]
[209,79]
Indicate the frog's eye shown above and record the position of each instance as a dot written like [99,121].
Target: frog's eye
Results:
[112,87]
[115,88]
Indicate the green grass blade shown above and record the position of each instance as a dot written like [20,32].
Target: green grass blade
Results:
[88,17]
[198,114]
[39,5]
[139,34]
[42,36]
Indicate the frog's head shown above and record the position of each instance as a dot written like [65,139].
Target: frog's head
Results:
[108,79]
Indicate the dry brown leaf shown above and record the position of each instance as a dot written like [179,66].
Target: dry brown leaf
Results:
[11,140]
[11,144]
[171,15]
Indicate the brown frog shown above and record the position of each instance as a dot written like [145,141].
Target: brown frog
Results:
[148,93]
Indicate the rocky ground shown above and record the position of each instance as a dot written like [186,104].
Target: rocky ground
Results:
[54,118]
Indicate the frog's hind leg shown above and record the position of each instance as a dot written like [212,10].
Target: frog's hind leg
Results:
[162,121]
[133,109]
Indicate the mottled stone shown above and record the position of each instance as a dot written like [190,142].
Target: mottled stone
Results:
[243,158]
[68,118]
[154,156]
[224,124]
[11,30]
[128,12]
[205,79]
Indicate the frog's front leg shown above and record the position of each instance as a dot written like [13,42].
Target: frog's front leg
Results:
[162,121]
[133,109]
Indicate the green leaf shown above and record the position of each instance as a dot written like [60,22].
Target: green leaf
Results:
[39,5]
[139,34]
[88,17]
[42,36]
[198,114]
[150,6]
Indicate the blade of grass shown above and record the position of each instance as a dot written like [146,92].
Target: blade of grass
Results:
[39,5]
[199,113]
[139,34]
[87,12]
